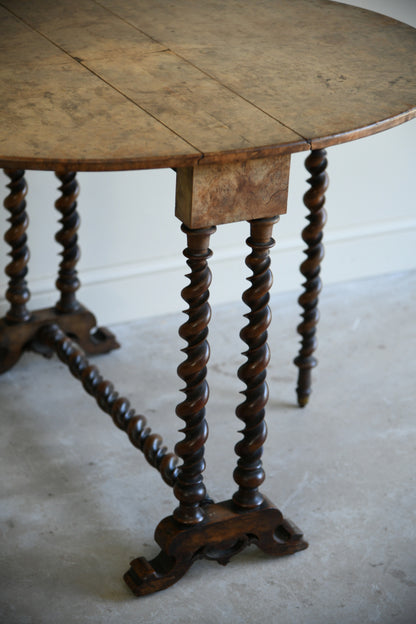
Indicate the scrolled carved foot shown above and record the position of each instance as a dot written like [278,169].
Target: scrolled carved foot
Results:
[81,326]
[224,533]
[147,577]
[285,540]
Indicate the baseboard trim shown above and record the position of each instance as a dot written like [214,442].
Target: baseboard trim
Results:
[125,292]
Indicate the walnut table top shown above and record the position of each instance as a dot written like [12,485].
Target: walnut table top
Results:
[133,84]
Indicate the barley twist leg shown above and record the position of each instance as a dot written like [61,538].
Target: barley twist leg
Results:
[17,293]
[249,473]
[314,200]
[189,488]
[68,282]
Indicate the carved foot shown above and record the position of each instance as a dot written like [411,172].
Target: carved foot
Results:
[225,532]
[80,325]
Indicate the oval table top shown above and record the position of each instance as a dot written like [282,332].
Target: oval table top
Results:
[131,84]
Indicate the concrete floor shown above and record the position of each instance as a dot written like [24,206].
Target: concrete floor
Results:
[79,502]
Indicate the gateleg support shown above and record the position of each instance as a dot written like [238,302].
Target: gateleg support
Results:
[314,199]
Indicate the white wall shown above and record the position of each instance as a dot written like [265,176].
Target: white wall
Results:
[131,267]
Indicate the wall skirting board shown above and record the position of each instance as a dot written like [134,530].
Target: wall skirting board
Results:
[121,293]
[132,268]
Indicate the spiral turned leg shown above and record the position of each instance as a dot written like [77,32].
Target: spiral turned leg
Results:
[68,282]
[314,200]
[17,293]
[249,474]
[189,488]
[81,324]
[17,320]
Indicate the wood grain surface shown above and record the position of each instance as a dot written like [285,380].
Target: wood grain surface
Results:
[228,192]
[129,84]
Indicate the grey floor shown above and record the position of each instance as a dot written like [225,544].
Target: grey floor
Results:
[78,501]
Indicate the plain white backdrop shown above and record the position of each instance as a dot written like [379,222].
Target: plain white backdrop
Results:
[131,243]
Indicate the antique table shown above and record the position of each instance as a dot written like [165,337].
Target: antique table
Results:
[224,93]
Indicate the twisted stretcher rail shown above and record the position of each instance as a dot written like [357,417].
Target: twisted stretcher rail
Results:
[118,407]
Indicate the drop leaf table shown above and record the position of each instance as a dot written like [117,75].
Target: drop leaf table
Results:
[223,93]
